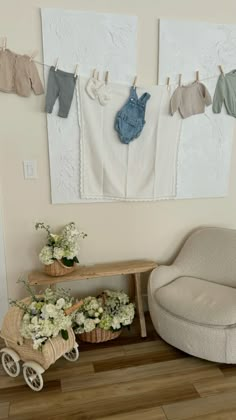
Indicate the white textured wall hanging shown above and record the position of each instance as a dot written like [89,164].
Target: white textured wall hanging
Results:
[143,170]
[104,41]
[205,140]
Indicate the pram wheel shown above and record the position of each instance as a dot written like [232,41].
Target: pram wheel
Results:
[33,377]
[72,355]
[10,363]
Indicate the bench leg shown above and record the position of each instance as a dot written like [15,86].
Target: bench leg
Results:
[139,302]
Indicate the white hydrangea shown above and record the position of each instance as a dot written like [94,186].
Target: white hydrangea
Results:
[35,320]
[80,318]
[49,311]
[38,343]
[63,245]
[58,253]
[116,325]
[89,325]
[44,317]
[60,303]
[110,311]
[46,255]
[127,314]
[79,330]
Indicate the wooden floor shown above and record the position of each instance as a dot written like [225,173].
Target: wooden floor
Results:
[127,379]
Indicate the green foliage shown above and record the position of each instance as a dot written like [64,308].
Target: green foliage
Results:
[64,334]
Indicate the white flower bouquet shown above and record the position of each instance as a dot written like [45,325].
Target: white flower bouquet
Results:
[45,316]
[110,311]
[62,247]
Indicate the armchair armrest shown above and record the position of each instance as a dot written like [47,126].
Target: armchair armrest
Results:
[161,276]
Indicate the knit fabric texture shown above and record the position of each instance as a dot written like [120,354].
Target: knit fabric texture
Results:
[19,74]
[225,93]
[190,100]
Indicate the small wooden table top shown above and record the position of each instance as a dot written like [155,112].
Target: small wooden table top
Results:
[93,271]
[134,268]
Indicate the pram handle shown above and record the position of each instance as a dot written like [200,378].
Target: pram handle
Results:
[74,308]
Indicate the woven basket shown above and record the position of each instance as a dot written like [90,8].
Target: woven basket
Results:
[57,269]
[99,335]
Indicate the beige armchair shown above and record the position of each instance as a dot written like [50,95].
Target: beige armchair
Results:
[193,302]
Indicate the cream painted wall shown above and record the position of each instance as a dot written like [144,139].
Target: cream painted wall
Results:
[116,230]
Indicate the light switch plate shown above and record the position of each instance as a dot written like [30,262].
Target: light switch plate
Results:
[30,169]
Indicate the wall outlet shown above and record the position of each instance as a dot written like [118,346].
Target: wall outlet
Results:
[30,169]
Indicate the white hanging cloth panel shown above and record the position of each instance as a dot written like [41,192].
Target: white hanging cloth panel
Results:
[143,170]
[168,138]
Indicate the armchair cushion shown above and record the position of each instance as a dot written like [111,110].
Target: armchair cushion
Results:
[199,301]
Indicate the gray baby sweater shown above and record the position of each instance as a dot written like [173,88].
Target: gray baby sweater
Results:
[225,93]
[190,100]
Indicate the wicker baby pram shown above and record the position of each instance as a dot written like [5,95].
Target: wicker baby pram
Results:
[35,361]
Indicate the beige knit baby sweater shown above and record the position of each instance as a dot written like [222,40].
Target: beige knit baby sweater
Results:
[18,74]
[190,100]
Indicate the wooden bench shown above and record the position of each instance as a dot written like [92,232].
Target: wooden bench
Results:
[133,268]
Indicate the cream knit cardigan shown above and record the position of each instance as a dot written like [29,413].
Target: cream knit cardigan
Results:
[19,74]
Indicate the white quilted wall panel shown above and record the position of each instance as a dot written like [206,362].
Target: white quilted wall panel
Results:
[93,40]
[205,143]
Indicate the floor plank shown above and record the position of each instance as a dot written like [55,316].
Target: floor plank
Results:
[228,370]
[195,408]
[101,354]
[223,415]
[178,367]
[56,372]
[211,386]
[107,401]
[4,409]
[137,360]
[155,413]
[140,354]
[149,346]
[23,393]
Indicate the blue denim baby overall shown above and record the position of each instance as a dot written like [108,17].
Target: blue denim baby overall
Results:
[130,120]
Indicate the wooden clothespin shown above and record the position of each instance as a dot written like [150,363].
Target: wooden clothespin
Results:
[135,81]
[97,75]
[76,70]
[197,76]
[33,55]
[56,65]
[221,70]
[168,82]
[106,77]
[180,79]
[94,73]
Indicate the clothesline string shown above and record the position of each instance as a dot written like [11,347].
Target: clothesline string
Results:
[164,84]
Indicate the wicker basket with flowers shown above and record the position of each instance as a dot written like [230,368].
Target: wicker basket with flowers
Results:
[102,318]
[59,255]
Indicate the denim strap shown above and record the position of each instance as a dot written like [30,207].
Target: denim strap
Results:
[144,98]
[133,92]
